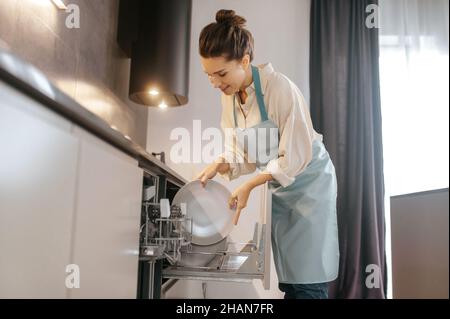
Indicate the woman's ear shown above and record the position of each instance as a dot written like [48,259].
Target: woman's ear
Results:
[245,61]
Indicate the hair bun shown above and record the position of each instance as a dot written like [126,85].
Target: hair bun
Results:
[229,17]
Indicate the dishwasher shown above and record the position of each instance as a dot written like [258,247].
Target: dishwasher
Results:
[167,254]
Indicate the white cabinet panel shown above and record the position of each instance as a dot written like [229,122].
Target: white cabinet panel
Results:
[38,157]
[108,206]
[66,197]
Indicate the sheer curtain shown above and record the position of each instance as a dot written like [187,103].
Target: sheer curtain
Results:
[414,79]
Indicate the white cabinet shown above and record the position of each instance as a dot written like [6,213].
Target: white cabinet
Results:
[108,206]
[37,192]
[66,197]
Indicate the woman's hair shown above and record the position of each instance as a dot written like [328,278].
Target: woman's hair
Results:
[226,37]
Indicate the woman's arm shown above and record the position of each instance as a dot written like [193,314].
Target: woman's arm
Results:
[289,111]
[259,180]
[240,196]
[220,166]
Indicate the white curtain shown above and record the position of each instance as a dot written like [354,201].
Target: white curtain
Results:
[414,77]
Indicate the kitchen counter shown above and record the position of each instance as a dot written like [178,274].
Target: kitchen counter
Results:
[32,82]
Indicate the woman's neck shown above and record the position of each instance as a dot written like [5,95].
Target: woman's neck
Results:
[247,82]
[248,79]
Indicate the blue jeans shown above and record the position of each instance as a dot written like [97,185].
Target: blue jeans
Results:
[304,291]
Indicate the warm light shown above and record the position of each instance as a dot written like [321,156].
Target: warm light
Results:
[127,137]
[59,4]
[163,105]
[153,92]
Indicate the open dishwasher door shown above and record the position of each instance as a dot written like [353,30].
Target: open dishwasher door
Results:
[236,262]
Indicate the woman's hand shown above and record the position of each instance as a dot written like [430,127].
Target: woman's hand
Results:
[238,200]
[208,173]
[240,196]
[211,170]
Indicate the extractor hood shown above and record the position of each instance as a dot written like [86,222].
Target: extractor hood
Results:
[156,36]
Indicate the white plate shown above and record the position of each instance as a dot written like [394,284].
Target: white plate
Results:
[208,208]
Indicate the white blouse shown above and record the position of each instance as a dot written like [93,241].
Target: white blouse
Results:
[287,108]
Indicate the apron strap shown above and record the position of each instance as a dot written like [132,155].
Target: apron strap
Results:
[259,97]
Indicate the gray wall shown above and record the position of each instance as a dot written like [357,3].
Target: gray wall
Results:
[419,232]
[85,63]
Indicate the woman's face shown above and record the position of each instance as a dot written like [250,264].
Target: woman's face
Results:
[228,76]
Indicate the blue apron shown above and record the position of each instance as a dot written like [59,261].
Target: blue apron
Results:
[304,221]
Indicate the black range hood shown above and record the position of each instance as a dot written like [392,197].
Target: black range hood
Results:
[155,34]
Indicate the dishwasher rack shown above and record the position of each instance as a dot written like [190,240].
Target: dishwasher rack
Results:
[239,262]
[164,237]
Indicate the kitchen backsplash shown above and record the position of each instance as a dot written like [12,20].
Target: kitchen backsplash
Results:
[86,62]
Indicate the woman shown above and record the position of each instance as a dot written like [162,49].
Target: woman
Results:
[301,175]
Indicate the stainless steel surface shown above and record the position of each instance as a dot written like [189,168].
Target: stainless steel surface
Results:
[205,275]
[240,262]
[151,276]
[266,231]
[32,82]
[149,193]
[234,263]
[166,286]
[163,237]
[208,208]
[200,256]
[152,251]
[222,261]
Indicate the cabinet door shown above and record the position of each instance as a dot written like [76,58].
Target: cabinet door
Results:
[108,206]
[38,157]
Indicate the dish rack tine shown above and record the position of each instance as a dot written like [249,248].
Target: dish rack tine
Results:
[255,234]
[222,259]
